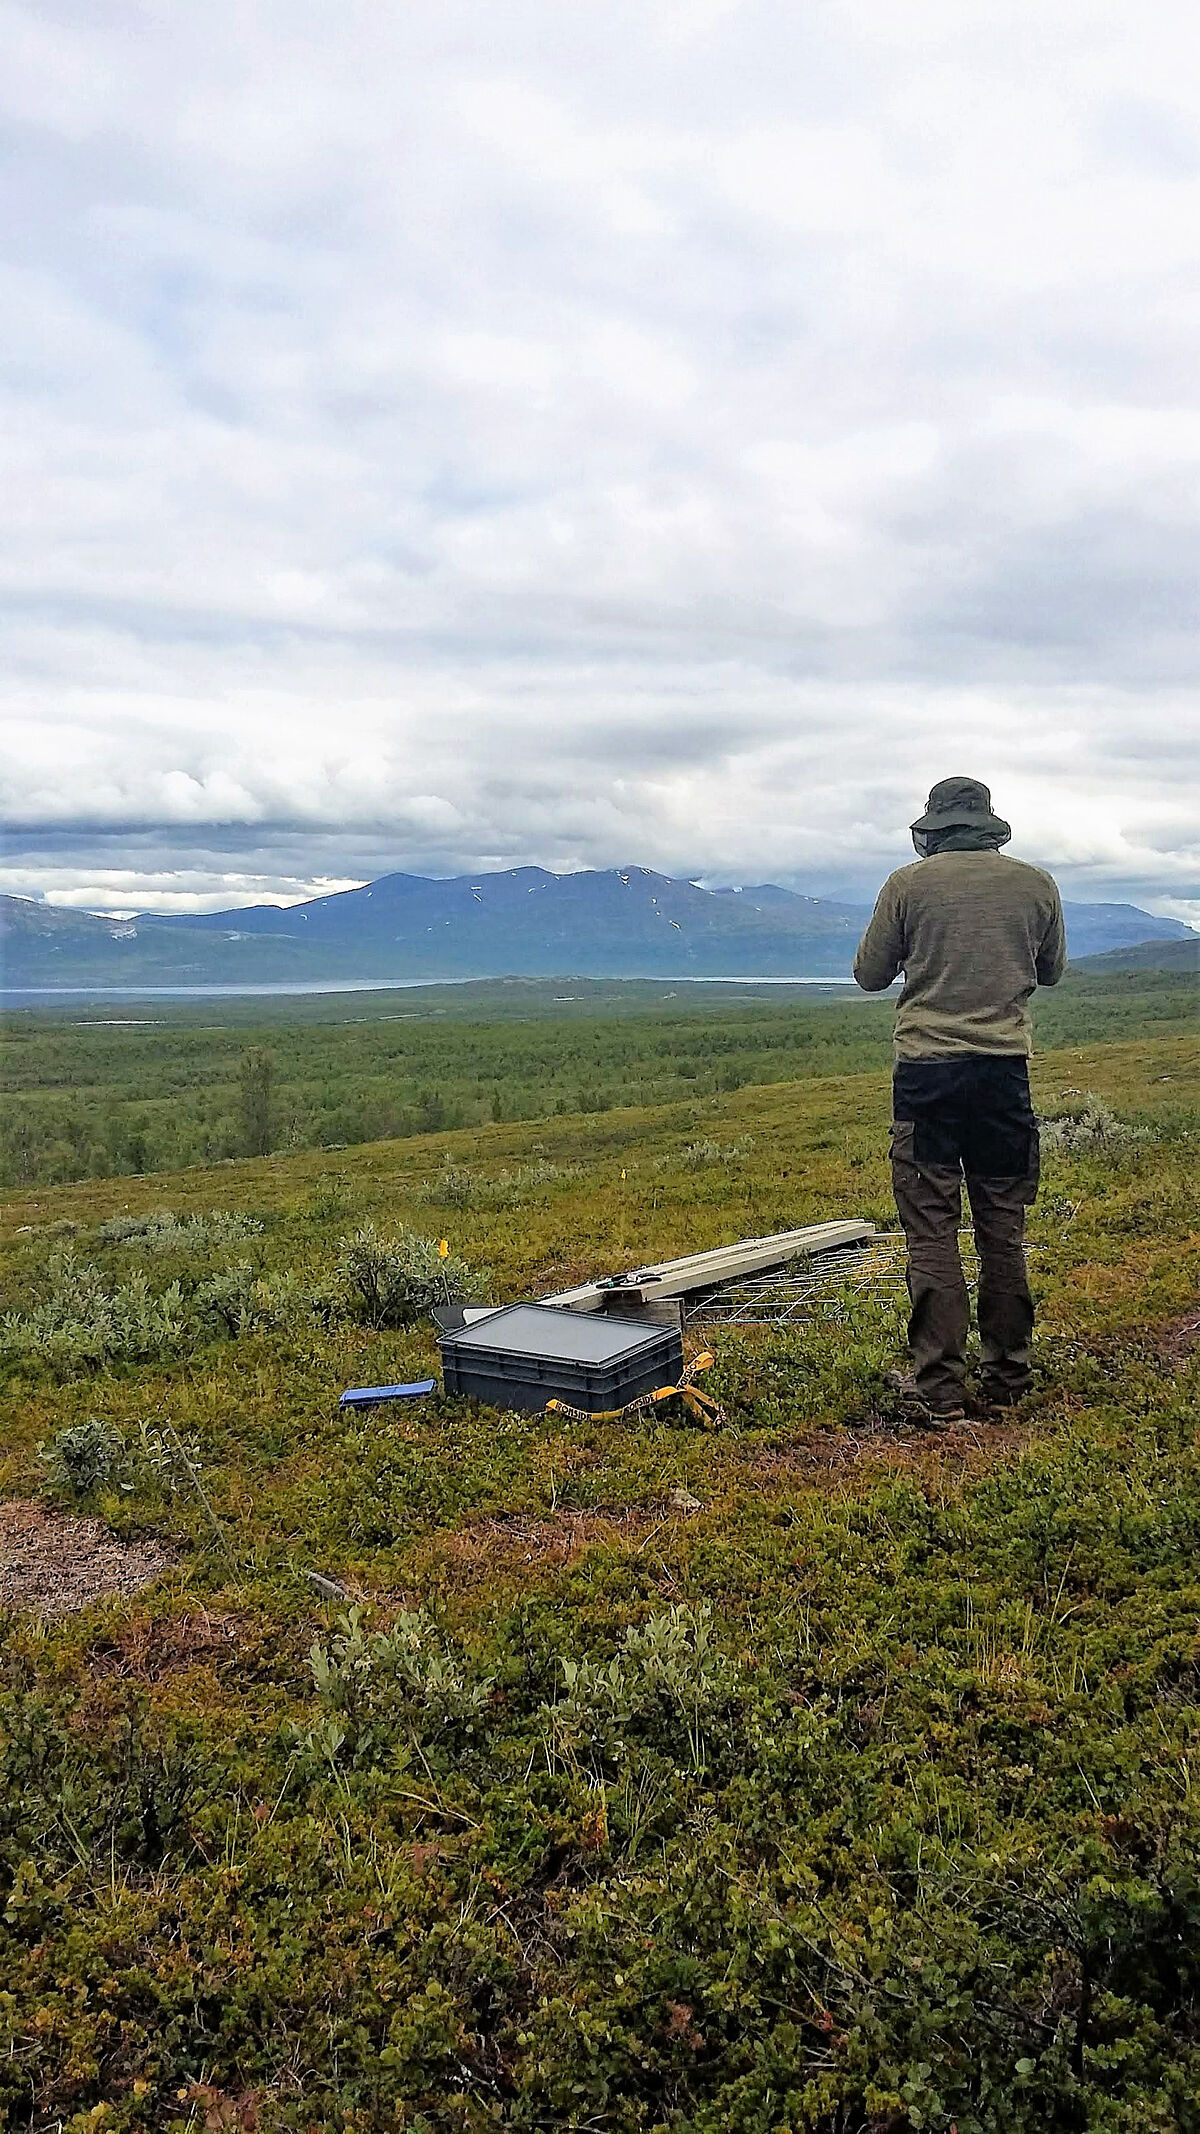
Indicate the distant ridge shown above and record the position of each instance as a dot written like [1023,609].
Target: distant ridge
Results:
[624,922]
[1172,955]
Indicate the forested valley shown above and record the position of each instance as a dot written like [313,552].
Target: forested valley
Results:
[104,1091]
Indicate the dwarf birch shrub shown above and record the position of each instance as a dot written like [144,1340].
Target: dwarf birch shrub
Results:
[454,1186]
[239,1301]
[529,1178]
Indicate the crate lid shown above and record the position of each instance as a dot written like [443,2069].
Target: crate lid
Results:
[560,1336]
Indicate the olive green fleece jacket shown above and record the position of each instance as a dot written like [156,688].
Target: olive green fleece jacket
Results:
[973,933]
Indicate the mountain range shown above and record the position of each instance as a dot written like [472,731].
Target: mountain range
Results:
[626,922]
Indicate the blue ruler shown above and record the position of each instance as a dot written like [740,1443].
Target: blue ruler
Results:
[370,1396]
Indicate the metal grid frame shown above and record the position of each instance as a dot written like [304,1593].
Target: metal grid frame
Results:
[822,1288]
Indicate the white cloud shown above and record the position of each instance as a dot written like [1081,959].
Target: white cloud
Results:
[595,435]
[121,892]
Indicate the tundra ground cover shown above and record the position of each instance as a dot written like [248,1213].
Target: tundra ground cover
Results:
[807,1773]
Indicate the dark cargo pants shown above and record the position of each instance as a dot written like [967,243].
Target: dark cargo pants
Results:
[968,1116]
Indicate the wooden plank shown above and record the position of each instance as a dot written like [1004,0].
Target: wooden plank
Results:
[702,1270]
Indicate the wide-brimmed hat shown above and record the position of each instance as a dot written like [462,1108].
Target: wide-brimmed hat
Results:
[961,804]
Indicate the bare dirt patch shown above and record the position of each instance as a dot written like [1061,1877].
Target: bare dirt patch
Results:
[53,1564]
[1179,1339]
[148,1651]
[875,1448]
[490,1546]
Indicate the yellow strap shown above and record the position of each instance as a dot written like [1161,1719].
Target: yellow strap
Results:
[701,1405]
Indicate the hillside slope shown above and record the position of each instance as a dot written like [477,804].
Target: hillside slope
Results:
[1167,955]
[803,1771]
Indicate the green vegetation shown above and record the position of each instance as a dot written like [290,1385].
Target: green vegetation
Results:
[801,1774]
[256,1109]
[166,1086]
[396,1279]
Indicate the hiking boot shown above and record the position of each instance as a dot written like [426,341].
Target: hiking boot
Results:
[917,1407]
[992,1397]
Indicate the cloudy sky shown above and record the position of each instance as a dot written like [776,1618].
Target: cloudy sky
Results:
[442,436]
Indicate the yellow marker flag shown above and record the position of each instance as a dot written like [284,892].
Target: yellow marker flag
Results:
[622,1175]
[444,1248]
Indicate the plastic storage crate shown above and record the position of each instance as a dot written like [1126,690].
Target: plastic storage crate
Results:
[527,1354]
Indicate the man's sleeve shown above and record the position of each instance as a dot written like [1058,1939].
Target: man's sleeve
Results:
[881,950]
[1052,954]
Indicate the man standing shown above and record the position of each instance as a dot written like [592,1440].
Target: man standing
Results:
[973,932]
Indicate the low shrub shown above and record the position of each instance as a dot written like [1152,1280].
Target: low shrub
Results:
[163,1231]
[330,1200]
[1089,1128]
[698,1154]
[238,1301]
[832,1365]
[394,1278]
[457,1187]
[81,1323]
[378,1687]
[454,1186]
[99,1454]
[162,1458]
[668,1683]
[83,1458]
